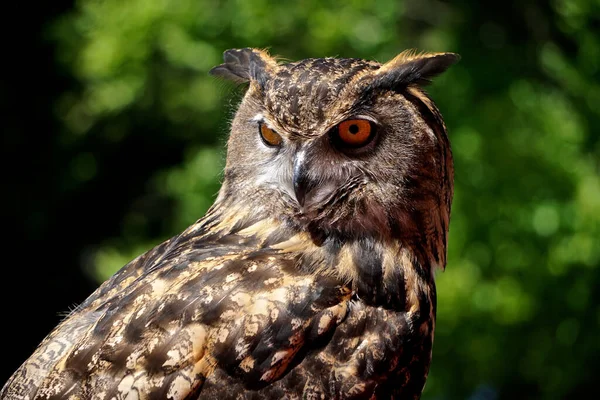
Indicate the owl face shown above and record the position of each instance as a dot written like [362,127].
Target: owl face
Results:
[340,146]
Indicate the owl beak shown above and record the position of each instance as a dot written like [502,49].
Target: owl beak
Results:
[300,178]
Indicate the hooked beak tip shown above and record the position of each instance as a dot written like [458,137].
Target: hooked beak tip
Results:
[300,180]
[300,189]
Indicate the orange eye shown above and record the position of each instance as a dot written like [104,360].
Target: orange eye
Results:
[355,132]
[269,136]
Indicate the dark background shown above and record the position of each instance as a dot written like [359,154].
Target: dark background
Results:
[113,134]
[44,223]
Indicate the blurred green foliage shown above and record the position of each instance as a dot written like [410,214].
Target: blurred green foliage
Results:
[518,309]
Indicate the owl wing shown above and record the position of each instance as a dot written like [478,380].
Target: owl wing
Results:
[188,309]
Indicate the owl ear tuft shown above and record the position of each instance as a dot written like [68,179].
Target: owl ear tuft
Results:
[411,68]
[245,65]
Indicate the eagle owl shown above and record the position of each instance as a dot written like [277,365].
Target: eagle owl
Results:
[311,276]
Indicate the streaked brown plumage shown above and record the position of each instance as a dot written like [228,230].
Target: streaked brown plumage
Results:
[312,274]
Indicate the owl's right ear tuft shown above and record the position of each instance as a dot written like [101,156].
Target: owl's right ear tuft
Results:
[411,68]
[245,65]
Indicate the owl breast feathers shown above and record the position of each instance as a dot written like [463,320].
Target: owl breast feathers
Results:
[311,276]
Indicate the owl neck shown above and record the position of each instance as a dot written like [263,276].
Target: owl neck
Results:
[393,273]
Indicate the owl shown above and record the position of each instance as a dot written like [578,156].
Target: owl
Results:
[312,274]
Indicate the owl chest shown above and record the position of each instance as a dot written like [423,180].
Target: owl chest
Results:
[373,351]
[379,349]
[316,335]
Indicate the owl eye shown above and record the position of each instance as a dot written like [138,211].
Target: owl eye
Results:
[355,132]
[269,136]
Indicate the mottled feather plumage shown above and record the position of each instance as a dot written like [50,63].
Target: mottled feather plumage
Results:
[270,295]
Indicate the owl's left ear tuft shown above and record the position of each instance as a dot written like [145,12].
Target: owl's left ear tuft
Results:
[410,68]
[245,65]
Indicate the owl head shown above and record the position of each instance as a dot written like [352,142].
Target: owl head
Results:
[342,148]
